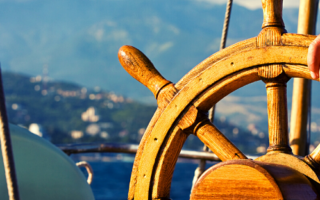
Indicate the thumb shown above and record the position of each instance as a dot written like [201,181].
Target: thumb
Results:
[313,58]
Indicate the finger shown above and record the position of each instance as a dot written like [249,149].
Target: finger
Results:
[313,58]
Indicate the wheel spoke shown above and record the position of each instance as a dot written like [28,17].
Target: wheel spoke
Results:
[314,159]
[196,122]
[277,110]
[198,91]
[217,142]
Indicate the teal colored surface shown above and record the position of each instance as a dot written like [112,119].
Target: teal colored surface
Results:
[44,172]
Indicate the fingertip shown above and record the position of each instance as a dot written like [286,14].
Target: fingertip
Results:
[313,75]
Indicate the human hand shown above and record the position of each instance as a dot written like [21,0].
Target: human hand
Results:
[313,58]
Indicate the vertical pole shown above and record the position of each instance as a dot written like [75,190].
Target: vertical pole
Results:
[301,95]
[6,148]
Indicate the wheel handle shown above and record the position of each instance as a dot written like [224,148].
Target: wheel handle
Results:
[142,69]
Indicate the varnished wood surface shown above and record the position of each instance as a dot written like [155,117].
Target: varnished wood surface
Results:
[292,161]
[197,123]
[277,117]
[217,142]
[307,16]
[197,89]
[301,87]
[236,181]
[246,179]
[272,13]
[141,68]
[233,49]
[224,87]
[293,184]
[314,158]
[275,78]
[203,81]
[299,116]
[165,95]
[270,36]
[137,159]
[166,164]
[287,39]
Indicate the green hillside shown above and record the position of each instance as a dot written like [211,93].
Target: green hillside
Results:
[58,107]
[79,40]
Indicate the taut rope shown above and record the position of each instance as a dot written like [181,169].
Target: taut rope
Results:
[202,164]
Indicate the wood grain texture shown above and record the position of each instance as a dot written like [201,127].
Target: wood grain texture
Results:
[307,16]
[314,159]
[246,179]
[141,68]
[297,71]
[301,87]
[287,39]
[181,100]
[137,159]
[217,142]
[222,54]
[274,77]
[292,39]
[293,184]
[200,84]
[272,13]
[272,73]
[236,181]
[270,36]
[210,81]
[224,87]
[294,162]
[299,116]
[277,117]
[301,71]
[189,118]
[165,95]
[166,164]
[197,123]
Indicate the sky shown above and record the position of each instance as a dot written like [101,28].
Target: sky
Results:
[251,4]
[254,4]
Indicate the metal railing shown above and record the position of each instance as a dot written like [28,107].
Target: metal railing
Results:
[128,148]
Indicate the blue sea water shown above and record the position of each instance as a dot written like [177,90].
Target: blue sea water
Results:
[111,180]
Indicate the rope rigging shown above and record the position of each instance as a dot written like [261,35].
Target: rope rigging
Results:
[202,165]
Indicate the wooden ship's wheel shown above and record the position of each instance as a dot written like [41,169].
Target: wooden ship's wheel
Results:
[274,56]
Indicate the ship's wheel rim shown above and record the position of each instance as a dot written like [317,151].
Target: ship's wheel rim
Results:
[292,55]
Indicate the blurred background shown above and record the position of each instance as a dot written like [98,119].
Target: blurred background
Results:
[63,81]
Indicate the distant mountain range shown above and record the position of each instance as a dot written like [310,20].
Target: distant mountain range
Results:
[79,40]
[69,113]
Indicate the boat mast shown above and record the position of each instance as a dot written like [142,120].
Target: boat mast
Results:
[301,95]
